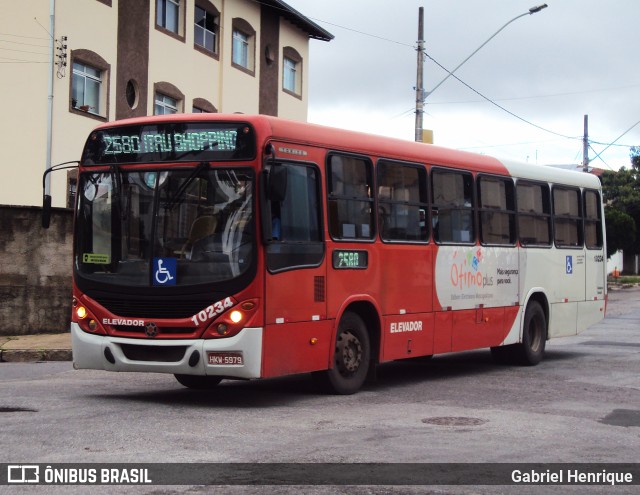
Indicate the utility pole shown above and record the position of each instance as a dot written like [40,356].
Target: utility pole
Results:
[52,40]
[419,82]
[585,145]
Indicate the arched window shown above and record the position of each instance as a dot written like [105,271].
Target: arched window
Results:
[243,46]
[200,105]
[291,71]
[167,99]
[89,84]
[206,30]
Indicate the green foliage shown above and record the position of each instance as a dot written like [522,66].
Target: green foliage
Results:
[621,191]
[621,230]
[634,152]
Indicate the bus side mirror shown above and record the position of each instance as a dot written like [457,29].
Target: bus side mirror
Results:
[277,183]
[46,211]
[46,198]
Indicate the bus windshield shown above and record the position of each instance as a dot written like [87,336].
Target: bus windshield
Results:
[176,227]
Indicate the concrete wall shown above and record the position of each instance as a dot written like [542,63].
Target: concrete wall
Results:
[35,271]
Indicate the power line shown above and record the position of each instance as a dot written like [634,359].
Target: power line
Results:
[496,104]
[16,61]
[571,93]
[619,145]
[522,143]
[21,43]
[612,142]
[44,28]
[600,158]
[22,51]
[23,36]
[485,98]
[341,27]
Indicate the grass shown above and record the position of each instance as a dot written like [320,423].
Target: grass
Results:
[624,279]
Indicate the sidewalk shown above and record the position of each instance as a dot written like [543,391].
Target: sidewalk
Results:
[32,348]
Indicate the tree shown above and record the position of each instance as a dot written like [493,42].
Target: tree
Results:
[621,231]
[621,191]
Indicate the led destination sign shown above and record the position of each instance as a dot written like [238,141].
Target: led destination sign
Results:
[223,140]
[344,260]
[184,141]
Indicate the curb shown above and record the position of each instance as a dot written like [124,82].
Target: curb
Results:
[34,355]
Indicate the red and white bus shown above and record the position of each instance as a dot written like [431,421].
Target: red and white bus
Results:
[238,247]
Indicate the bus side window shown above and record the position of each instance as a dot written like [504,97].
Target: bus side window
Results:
[350,198]
[496,200]
[567,217]
[534,213]
[452,194]
[592,220]
[402,201]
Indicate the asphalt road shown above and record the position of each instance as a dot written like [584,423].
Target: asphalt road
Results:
[580,405]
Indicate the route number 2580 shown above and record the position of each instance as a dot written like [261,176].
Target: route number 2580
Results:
[210,312]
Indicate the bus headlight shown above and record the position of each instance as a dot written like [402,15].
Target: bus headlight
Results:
[84,317]
[232,321]
[81,312]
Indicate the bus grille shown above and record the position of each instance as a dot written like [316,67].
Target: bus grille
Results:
[162,329]
[152,308]
[164,354]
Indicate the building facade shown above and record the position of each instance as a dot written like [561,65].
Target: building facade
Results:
[115,59]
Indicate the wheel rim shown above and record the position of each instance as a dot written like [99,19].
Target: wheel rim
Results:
[348,353]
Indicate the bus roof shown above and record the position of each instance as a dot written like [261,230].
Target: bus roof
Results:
[302,133]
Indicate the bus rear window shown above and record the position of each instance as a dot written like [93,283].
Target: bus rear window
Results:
[170,142]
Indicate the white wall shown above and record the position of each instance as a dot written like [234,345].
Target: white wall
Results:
[288,105]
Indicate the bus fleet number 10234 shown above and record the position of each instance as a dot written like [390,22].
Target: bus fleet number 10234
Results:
[211,312]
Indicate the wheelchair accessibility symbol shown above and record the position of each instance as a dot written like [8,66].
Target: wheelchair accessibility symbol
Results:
[569,265]
[164,271]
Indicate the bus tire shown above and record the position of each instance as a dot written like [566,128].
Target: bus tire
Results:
[351,358]
[198,382]
[534,336]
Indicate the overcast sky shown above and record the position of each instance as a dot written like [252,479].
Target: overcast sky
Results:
[573,58]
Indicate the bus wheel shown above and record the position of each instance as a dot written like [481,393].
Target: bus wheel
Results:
[351,359]
[198,382]
[534,336]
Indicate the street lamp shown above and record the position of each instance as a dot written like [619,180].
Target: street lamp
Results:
[424,94]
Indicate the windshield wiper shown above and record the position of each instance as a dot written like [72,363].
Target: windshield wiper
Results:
[168,205]
[116,181]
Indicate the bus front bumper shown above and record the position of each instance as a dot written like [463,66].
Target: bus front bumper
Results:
[239,356]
